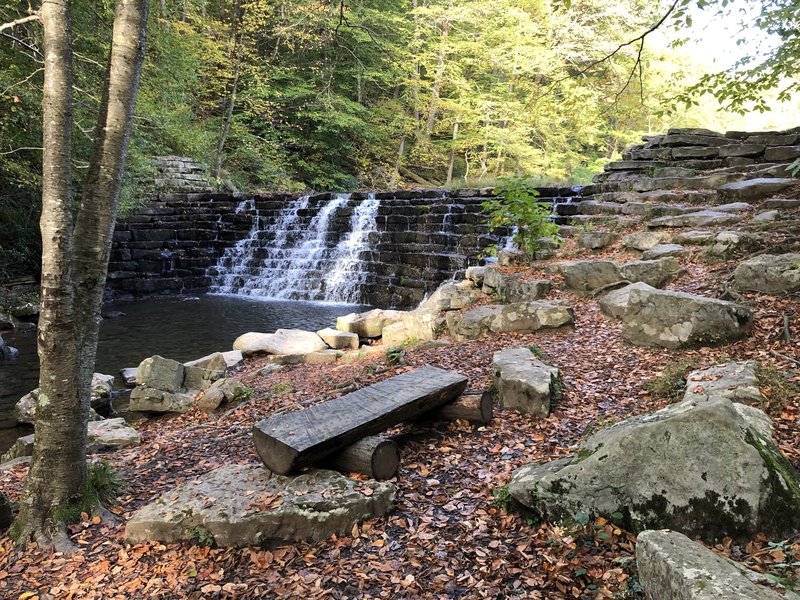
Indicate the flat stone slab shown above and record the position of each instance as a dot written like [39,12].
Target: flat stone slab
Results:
[701,218]
[147,399]
[736,381]
[769,273]
[670,565]
[754,189]
[160,373]
[504,318]
[595,240]
[782,203]
[283,341]
[524,383]
[338,339]
[245,505]
[452,296]
[678,320]
[765,216]
[644,240]
[663,250]
[103,436]
[694,237]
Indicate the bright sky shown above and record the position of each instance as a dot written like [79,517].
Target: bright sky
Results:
[713,44]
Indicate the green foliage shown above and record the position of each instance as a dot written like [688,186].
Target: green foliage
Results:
[101,487]
[786,571]
[280,389]
[671,382]
[516,206]
[501,498]
[395,355]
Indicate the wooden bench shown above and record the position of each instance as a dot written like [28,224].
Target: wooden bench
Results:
[288,442]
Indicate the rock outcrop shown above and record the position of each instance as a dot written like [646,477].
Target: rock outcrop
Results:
[615,302]
[673,468]
[678,320]
[589,275]
[282,342]
[524,383]
[244,505]
[369,324]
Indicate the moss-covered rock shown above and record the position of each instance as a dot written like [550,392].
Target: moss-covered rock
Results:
[707,467]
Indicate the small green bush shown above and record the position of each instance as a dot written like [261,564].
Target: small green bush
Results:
[101,488]
[671,382]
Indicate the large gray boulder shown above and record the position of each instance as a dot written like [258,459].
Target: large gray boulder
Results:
[283,341]
[504,318]
[769,273]
[228,389]
[707,467]
[588,275]
[524,383]
[736,381]
[656,273]
[595,240]
[513,288]
[414,326]
[615,302]
[673,567]
[160,373]
[730,243]
[147,399]
[663,250]
[244,505]
[338,340]
[369,324]
[644,240]
[678,320]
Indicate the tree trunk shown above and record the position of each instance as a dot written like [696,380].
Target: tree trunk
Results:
[437,82]
[452,162]
[75,261]
[230,101]
[374,456]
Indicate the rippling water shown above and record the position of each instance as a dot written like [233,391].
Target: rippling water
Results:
[175,327]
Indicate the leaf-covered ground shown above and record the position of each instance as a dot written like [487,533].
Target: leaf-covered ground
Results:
[450,534]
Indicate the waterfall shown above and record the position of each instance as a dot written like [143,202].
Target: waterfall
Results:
[291,256]
[343,283]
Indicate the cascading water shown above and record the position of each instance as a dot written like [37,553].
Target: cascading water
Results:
[294,257]
[343,283]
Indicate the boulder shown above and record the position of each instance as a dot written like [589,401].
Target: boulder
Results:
[493,279]
[228,389]
[6,516]
[147,399]
[283,341]
[415,326]
[6,321]
[512,257]
[588,275]
[644,240]
[595,240]
[160,373]
[128,375]
[615,302]
[754,189]
[765,216]
[524,383]
[671,566]
[730,243]
[8,352]
[679,320]
[198,378]
[475,275]
[693,237]
[733,207]
[705,467]
[233,358]
[212,362]
[652,272]
[28,310]
[369,324]
[244,505]
[779,203]
[338,340]
[107,435]
[701,218]
[451,296]
[515,289]
[769,273]
[663,250]
[503,318]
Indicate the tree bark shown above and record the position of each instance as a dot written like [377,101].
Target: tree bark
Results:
[230,100]
[452,162]
[75,260]
[374,456]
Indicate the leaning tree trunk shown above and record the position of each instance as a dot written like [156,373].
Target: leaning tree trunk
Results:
[75,261]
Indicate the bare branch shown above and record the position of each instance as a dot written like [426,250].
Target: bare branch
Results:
[22,21]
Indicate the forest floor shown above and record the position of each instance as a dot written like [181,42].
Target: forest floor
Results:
[452,533]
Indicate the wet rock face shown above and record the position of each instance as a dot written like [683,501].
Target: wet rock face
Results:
[245,505]
[678,320]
